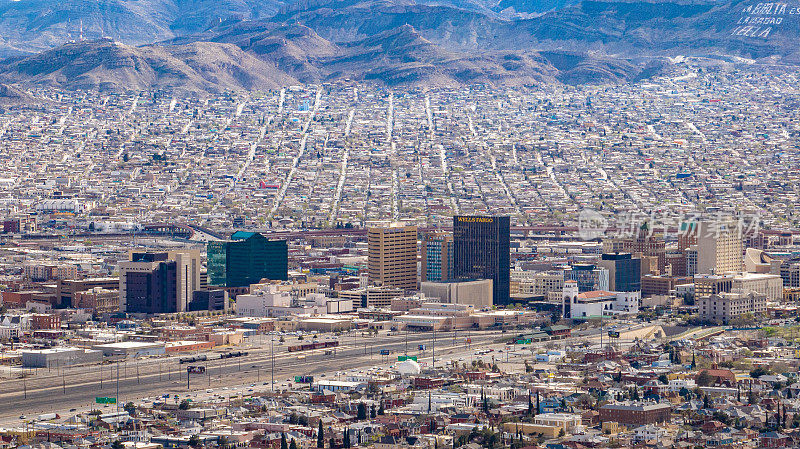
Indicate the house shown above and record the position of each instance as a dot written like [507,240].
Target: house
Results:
[775,439]
[719,377]
[649,432]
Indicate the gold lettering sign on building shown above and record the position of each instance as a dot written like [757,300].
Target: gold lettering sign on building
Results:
[476,219]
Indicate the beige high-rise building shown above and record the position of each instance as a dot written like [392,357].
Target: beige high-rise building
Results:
[392,260]
[719,248]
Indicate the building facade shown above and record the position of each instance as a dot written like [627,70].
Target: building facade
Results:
[159,282]
[719,248]
[477,293]
[392,256]
[724,307]
[624,272]
[481,251]
[588,276]
[247,258]
[437,257]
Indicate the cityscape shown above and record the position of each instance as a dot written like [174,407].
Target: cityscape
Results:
[399,224]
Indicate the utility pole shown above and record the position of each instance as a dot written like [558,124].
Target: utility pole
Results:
[434,346]
[117,387]
[406,341]
[272,356]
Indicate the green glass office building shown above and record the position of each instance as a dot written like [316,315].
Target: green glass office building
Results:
[247,258]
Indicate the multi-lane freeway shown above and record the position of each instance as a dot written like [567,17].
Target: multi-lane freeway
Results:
[61,390]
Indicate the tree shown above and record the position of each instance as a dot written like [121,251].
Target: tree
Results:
[130,408]
[706,402]
[561,433]
[194,441]
[362,411]
[372,412]
[293,444]
[346,440]
[381,410]
[117,444]
[663,379]
[320,436]
[704,379]
[184,405]
[223,442]
[284,444]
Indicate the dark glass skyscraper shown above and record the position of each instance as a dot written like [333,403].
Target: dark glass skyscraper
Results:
[247,258]
[481,251]
[624,272]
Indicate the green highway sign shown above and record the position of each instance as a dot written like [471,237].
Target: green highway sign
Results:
[402,358]
[105,400]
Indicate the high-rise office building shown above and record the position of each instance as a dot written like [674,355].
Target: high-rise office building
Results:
[719,248]
[481,251]
[624,272]
[437,257]
[392,256]
[247,258]
[160,282]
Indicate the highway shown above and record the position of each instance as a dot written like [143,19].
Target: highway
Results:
[57,391]
[76,387]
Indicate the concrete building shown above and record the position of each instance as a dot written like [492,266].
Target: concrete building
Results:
[373,297]
[597,303]
[209,300]
[769,285]
[97,299]
[131,349]
[537,283]
[159,282]
[59,357]
[724,307]
[758,261]
[66,288]
[477,293]
[260,302]
[636,413]
[392,256]
[644,244]
[719,248]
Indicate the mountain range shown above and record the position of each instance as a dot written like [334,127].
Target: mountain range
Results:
[204,45]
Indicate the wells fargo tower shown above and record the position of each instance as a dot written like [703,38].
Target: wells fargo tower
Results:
[481,251]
